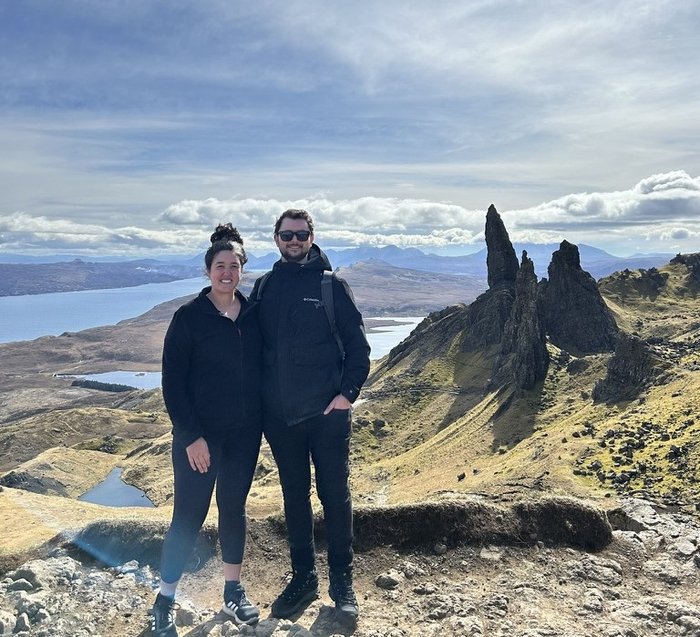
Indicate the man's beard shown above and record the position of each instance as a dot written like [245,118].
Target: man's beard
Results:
[296,256]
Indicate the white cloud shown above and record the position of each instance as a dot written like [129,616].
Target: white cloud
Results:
[650,210]
[23,234]
[676,181]
[247,214]
[364,221]
[675,234]
[660,198]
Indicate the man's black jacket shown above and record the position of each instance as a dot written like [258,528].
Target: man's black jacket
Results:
[303,369]
[211,371]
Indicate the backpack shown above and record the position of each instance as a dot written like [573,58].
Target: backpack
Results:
[326,300]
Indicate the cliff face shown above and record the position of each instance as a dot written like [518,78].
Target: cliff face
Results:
[632,368]
[568,308]
[692,262]
[507,315]
[575,315]
[484,320]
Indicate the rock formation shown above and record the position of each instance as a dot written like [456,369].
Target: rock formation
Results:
[486,317]
[501,262]
[438,328]
[630,370]
[692,262]
[523,358]
[576,317]
[28,482]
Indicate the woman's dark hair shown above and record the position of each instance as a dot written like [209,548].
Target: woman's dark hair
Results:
[225,237]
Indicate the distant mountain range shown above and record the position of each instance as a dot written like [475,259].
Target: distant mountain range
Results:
[27,275]
[595,261]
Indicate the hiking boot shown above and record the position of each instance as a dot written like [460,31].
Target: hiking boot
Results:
[342,594]
[301,590]
[238,606]
[163,616]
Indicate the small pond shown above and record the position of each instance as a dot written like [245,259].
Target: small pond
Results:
[114,492]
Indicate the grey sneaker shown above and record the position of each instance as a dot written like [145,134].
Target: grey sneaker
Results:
[342,594]
[238,606]
[163,617]
[301,590]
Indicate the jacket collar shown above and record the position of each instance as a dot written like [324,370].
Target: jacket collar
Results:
[316,260]
[207,306]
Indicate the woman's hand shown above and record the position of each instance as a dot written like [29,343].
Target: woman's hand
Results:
[198,455]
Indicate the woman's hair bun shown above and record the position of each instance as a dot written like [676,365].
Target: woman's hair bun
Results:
[226,232]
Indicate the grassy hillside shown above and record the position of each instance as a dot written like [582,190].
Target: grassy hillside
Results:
[427,429]
[90,428]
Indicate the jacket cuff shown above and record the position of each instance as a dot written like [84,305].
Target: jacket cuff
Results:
[186,438]
[350,393]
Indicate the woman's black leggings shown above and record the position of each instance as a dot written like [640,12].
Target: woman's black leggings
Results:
[232,466]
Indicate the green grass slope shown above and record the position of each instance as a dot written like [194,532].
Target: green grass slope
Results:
[428,430]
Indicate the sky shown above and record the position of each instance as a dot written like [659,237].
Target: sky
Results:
[132,128]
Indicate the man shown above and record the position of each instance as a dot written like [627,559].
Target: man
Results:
[309,386]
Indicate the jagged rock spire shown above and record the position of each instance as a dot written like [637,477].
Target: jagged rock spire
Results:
[523,358]
[501,262]
[487,315]
[576,317]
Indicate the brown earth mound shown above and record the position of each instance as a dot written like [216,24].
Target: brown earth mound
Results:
[554,521]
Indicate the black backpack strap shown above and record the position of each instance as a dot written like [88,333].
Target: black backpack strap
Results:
[328,306]
[263,280]
[326,299]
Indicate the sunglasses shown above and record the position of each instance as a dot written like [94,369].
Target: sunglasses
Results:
[301,235]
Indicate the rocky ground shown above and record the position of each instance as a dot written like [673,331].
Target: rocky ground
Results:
[644,583]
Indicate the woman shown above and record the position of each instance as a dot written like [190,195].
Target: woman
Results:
[211,374]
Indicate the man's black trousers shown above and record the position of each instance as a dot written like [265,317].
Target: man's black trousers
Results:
[324,440]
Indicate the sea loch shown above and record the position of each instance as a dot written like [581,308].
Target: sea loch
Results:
[31,316]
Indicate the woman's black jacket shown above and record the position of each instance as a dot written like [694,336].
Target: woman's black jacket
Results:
[211,371]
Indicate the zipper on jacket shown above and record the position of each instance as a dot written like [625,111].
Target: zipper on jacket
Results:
[241,371]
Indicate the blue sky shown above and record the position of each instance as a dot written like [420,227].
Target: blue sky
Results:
[131,127]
